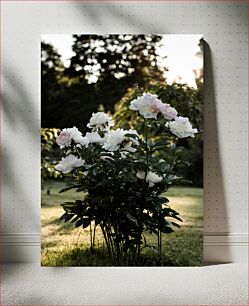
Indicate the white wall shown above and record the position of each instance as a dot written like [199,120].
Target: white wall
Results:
[224,26]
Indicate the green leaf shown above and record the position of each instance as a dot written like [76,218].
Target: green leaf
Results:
[79,222]
[66,217]
[68,188]
[177,218]
[175,224]
[63,216]
[166,229]
[160,143]
[74,219]
[86,222]
[131,136]
[81,189]
[131,218]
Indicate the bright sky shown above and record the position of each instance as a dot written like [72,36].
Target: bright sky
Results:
[183,56]
[181,51]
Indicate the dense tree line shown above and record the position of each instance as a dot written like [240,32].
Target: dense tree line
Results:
[114,62]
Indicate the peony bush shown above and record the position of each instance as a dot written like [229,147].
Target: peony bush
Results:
[122,178]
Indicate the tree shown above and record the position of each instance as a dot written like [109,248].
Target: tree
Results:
[115,63]
[51,72]
[101,71]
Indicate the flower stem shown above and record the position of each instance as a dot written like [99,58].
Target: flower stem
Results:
[91,239]
[106,241]
[146,145]
[94,234]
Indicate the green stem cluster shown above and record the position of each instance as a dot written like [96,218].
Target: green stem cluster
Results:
[119,252]
[147,151]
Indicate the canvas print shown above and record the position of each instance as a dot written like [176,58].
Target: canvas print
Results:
[121,150]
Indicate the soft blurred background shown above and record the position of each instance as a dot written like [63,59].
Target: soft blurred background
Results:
[81,74]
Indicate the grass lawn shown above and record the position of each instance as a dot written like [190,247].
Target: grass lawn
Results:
[64,245]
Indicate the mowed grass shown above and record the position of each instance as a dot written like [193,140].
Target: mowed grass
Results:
[64,245]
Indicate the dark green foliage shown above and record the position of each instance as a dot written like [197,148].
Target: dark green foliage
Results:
[51,74]
[123,205]
[49,153]
[183,247]
[188,102]
[130,59]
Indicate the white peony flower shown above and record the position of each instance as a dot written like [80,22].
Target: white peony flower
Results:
[92,137]
[130,141]
[76,135]
[84,142]
[181,127]
[141,175]
[114,139]
[151,178]
[147,105]
[64,139]
[69,163]
[123,154]
[167,111]
[128,147]
[100,121]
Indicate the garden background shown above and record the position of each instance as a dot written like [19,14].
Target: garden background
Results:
[103,74]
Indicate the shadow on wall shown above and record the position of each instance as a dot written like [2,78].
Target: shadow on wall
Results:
[125,17]
[215,210]
[21,133]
